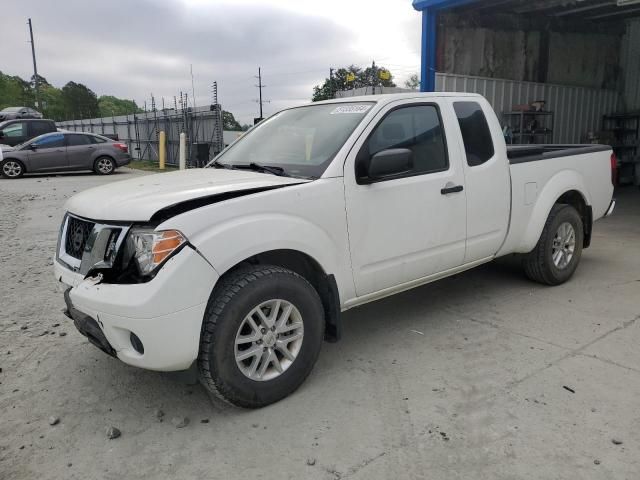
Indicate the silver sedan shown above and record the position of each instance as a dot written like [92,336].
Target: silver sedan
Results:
[63,152]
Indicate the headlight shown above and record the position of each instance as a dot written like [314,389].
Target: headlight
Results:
[152,248]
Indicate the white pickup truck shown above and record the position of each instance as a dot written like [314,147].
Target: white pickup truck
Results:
[241,269]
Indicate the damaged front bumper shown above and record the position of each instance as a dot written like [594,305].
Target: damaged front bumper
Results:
[153,325]
[87,326]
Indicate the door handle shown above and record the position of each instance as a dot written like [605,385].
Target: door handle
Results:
[451,188]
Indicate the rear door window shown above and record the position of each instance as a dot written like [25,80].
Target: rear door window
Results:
[38,128]
[476,135]
[77,140]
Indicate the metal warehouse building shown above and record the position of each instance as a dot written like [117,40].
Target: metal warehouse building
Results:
[580,57]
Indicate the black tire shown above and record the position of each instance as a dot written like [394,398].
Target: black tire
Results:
[538,264]
[104,166]
[231,301]
[17,169]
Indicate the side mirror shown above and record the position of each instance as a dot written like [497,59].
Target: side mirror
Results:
[387,164]
[33,146]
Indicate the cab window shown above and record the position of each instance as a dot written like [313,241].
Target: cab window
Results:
[417,128]
[15,130]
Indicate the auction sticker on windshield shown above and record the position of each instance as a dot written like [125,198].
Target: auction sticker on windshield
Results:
[350,109]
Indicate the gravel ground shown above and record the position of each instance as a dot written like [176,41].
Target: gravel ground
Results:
[483,375]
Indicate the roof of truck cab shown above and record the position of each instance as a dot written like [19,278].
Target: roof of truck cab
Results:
[392,97]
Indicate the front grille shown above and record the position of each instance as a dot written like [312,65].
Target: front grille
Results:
[78,232]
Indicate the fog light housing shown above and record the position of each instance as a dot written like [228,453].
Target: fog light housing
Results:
[136,343]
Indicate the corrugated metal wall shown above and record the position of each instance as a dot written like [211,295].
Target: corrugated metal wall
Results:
[577,110]
[630,59]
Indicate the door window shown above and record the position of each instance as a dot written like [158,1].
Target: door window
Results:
[15,130]
[53,140]
[417,128]
[476,135]
[39,128]
[77,140]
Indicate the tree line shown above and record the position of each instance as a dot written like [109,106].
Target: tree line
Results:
[74,101]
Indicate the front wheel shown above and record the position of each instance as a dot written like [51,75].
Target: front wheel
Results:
[261,336]
[104,166]
[556,256]
[12,169]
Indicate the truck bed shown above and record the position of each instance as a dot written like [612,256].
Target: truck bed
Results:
[532,153]
[536,186]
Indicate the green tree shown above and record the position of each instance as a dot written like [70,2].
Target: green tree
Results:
[14,92]
[348,78]
[109,105]
[229,122]
[80,101]
[413,82]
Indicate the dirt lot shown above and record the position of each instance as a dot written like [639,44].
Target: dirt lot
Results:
[484,375]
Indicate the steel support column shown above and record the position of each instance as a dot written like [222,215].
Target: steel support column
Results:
[428,64]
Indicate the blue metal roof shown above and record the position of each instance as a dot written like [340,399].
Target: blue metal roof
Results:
[440,4]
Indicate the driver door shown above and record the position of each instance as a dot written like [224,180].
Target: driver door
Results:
[403,229]
[47,153]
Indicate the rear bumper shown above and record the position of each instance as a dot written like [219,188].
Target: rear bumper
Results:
[122,160]
[611,208]
[165,314]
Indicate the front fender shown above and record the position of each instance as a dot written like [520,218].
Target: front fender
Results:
[253,234]
[561,183]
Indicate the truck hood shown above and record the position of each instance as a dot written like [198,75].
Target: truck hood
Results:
[138,199]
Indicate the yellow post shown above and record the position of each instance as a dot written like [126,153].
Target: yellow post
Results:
[162,149]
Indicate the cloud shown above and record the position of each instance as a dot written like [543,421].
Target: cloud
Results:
[134,48]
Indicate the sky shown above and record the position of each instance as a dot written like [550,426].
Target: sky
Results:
[135,48]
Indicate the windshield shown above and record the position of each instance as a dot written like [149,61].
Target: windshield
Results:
[301,141]
[11,109]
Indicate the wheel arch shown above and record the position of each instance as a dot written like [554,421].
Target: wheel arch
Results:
[24,165]
[310,269]
[566,187]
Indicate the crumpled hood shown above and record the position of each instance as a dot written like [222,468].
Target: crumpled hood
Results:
[137,199]
[6,148]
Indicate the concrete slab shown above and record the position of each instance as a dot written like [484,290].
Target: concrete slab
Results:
[455,380]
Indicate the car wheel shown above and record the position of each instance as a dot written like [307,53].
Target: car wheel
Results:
[261,336]
[12,169]
[104,166]
[558,252]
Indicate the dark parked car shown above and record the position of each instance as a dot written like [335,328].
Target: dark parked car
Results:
[15,132]
[19,112]
[64,151]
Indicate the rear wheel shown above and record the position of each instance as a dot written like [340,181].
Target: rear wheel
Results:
[558,252]
[12,168]
[104,166]
[261,336]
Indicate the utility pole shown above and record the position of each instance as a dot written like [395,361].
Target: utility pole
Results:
[331,86]
[260,90]
[35,67]
[373,77]
[260,85]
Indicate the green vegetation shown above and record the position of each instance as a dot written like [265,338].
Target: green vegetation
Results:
[351,77]
[72,101]
[150,166]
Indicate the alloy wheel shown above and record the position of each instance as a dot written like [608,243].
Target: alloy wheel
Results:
[269,339]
